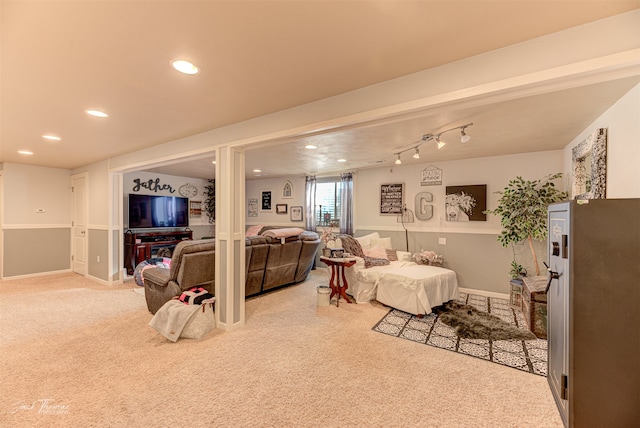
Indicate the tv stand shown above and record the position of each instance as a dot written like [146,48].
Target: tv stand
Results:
[141,246]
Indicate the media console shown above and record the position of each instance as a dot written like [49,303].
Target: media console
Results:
[141,246]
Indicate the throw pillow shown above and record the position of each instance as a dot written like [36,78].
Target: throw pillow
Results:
[351,245]
[392,255]
[383,242]
[372,261]
[376,252]
[365,241]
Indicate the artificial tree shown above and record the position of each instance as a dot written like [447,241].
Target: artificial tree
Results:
[210,202]
[523,210]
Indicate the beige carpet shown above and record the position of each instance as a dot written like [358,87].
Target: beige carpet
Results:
[80,354]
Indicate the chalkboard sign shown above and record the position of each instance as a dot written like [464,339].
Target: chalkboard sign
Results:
[266,201]
[391,197]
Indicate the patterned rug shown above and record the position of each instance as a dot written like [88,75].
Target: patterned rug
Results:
[526,355]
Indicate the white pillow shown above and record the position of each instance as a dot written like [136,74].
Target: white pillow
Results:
[365,241]
[377,252]
[404,256]
[383,242]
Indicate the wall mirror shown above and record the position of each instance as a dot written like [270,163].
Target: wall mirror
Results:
[589,167]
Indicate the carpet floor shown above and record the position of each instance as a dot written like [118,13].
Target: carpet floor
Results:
[76,353]
[526,355]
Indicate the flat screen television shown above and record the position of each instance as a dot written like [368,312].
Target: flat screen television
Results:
[158,211]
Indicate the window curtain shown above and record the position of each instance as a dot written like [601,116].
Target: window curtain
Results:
[346,203]
[310,201]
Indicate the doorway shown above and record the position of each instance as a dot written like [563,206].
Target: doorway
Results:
[79,224]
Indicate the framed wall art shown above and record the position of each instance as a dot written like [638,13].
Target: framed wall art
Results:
[391,198]
[265,200]
[589,167]
[296,213]
[281,208]
[252,207]
[466,203]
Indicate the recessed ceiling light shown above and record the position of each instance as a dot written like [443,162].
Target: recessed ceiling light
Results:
[213,162]
[97,113]
[185,67]
[342,160]
[25,152]
[310,147]
[51,138]
[257,170]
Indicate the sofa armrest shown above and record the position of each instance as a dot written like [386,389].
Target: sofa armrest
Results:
[157,275]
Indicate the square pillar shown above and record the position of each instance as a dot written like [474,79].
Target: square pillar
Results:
[230,238]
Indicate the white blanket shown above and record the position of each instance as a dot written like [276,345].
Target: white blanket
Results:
[283,233]
[172,318]
[403,285]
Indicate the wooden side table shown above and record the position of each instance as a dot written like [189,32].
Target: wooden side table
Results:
[338,282]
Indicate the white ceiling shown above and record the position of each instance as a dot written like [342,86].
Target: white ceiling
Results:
[258,57]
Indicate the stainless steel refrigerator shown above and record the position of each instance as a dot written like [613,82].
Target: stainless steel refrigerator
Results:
[593,309]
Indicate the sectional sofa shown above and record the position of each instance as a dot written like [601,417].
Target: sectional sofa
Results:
[270,263]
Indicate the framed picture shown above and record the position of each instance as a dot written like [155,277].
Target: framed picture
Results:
[287,190]
[391,198]
[265,200]
[296,213]
[281,208]
[466,203]
[252,207]
[195,208]
[589,167]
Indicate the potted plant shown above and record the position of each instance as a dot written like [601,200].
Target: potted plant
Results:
[523,211]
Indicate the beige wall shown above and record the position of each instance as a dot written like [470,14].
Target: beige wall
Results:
[35,242]
[471,249]
[623,146]
[253,189]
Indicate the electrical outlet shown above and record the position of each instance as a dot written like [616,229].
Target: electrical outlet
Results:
[442,241]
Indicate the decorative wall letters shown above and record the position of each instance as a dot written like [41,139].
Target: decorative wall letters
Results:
[152,185]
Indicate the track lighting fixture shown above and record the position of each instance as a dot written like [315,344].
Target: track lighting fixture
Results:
[463,136]
[435,137]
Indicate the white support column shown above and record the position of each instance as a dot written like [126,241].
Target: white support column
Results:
[230,234]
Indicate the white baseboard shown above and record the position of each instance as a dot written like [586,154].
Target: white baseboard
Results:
[485,293]
[33,275]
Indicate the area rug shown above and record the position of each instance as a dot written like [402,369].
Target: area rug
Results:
[526,355]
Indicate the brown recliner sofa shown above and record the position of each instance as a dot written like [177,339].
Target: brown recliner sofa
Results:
[192,264]
[269,264]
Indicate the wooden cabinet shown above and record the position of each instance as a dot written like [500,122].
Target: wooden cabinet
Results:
[534,304]
[141,246]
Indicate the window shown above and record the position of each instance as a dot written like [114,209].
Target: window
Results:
[328,202]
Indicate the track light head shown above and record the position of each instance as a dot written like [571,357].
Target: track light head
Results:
[463,136]
[416,155]
[398,160]
[440,143]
